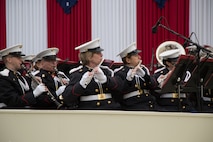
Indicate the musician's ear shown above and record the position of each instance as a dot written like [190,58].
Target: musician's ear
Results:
[128,60]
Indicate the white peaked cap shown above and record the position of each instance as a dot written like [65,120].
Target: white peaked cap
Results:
[93,46]
[132,47]
[48,52]
[170,54]
[28,57]
[16,50]
[35,59]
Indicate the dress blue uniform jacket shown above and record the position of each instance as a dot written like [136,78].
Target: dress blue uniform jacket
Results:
[11,92]
[73,92]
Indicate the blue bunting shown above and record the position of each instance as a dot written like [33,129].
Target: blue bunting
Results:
[160,3]
[67,5]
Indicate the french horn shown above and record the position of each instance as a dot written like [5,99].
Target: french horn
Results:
[168,45]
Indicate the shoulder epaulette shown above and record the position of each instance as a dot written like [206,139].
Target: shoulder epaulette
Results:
[118,69]
[75,69]
[146,69]
[35,72]
[106,67]
[5,72]
[160,69]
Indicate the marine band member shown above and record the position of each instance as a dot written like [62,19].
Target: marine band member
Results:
[91,84]
[48,76]
[170,101]
[16,92]
[135,93]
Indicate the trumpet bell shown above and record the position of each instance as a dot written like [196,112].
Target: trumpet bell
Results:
[168,45]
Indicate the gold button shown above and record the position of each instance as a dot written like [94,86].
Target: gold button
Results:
[181,100]
[136,85]
[98,103]
[140,91]
[107,89]
[172,100]
[109,102]
[150,102]
[147,95]
[96,90]
[138,96]
[144,84]
[209,105]
[151,106]
[43,75]
[184,107]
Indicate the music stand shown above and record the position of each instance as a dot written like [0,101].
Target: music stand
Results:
[204,71]
[175,78]
[201,78]
[209,82]
[207,73]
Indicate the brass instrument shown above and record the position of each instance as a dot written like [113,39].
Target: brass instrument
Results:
[52,97]
[168,45]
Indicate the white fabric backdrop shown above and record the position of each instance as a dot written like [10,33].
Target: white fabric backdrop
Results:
[201,19]
[114,21]
[26,23]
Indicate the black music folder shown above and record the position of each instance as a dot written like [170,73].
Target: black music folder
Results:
[206,73]
[180,73]
[209,83]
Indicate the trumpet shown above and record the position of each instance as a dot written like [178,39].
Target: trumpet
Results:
[52,97]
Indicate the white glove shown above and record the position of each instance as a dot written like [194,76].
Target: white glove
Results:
[60,90]
[161,80]
[62,75]
[41,88]
[140,72]
[86,79]
[130,75]
[100,76]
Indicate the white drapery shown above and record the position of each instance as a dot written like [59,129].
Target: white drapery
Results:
[26,24]
[201,20]
[114,21]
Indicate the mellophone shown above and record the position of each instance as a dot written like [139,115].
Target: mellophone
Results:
[52,97]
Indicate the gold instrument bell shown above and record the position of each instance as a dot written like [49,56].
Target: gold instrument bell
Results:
[168,45]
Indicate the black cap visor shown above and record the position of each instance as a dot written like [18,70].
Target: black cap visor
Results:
[97,49]
[16,54]
[50,58]
[134,52]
